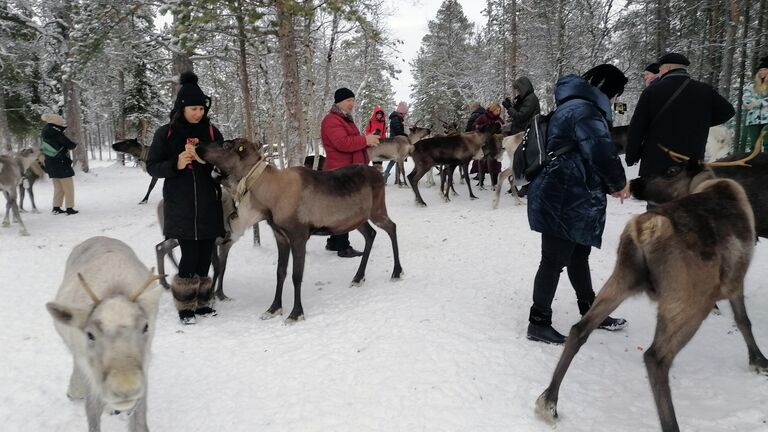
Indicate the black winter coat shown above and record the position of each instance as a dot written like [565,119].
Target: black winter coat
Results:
[192,199]
[396,126]
[682,127]
[472,118]
[525,107]
[59,166]
[568,198]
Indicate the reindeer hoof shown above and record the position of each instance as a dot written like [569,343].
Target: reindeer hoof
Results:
[357,283]
[142,202]
[222,297]
[269,314]
[6,224]
[24,233]
[292,321]
[760,366]
[546,409]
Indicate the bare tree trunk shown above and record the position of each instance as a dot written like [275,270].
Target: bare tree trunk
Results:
[726,75]
[742,73]
[245,87]
[5,132]
[514,42]
[100,140]
[120,120]
[662,26]
[74,122]
[295,131]
[310,84]
[762,34]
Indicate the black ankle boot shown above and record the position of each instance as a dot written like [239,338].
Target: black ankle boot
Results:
[57,210]
[544,333]
[70,211]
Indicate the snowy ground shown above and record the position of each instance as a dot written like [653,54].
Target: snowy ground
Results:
[442,350]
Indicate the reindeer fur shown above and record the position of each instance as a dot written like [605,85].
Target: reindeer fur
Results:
[686,254]
[108,328]
[298,202]
[10,179]
[139,151]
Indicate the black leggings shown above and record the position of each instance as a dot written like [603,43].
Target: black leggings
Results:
[557,253]
[195,257]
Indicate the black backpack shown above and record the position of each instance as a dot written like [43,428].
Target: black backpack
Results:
[531,155]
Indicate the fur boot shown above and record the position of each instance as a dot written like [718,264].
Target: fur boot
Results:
[205,297]
[184,292]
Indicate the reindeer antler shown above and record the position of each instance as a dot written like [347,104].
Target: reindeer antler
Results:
[88,289]
[677,157]
[152,277]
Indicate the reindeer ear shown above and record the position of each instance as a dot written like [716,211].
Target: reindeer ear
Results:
[74,317]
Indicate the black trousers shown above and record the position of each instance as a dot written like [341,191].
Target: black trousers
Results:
[557,253]
[338,242]
[195,257]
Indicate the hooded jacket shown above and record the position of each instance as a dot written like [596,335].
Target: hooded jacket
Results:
[396,125]
[526,106]
[374,125]
[567,199]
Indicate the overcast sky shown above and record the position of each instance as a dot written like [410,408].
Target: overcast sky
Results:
[409,23]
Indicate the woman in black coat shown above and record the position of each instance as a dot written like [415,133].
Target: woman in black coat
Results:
[526,106]
[566,201]
[58,164]
[192,199]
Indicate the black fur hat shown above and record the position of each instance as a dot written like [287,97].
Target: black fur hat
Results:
[607,78]
[763,63]
[342,94]
[190,93]
[653,68]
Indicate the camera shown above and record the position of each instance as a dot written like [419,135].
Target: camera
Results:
[620,107]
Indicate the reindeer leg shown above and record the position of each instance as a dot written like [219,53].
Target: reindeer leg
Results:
[299,252]
[94,406]
[162,249]
[673,331]
[223,256]
[369,234]
[17,215]
[6,223]
[21,197]
[466,178]
[138,420]
[283,252]
[413,178]
[149,190]
[383,221]
[32,197]
[613,293]
[757,360]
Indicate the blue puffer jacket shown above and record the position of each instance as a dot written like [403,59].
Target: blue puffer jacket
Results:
[568,198]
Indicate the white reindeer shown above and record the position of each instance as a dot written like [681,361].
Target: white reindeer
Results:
[106,314]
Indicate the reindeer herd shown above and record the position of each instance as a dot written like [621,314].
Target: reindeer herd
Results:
[690,252]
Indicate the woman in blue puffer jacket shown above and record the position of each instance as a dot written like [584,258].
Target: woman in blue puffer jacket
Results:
[567,201]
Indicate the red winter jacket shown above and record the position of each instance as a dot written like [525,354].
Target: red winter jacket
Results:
[342,141]
[373,125]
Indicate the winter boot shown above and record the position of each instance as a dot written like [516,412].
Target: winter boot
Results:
[184,292]
[205,298]
[540,328]
[57,211]
[610,324]
[70,211]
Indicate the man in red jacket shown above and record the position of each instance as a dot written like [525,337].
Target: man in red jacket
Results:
[344,145]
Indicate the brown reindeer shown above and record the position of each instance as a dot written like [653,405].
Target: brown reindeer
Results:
[297,203]
[450,150]
[32,162]
[139,151]
[11,169]
[686,254]
[397,148]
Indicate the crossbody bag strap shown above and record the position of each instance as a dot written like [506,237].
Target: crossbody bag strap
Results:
[669,102]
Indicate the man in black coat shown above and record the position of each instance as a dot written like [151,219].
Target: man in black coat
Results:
[476,111]
[683,125]
[526,106]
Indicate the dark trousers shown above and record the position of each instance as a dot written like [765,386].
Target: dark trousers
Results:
[338,242]
[195,257]
[557,253]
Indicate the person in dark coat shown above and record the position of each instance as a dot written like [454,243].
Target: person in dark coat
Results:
[682,127]
[344,145]
[525,106]
[396,127]
[566,201]
[490,119]
[650,74]
[476,110]
[58,164]
[191,198]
